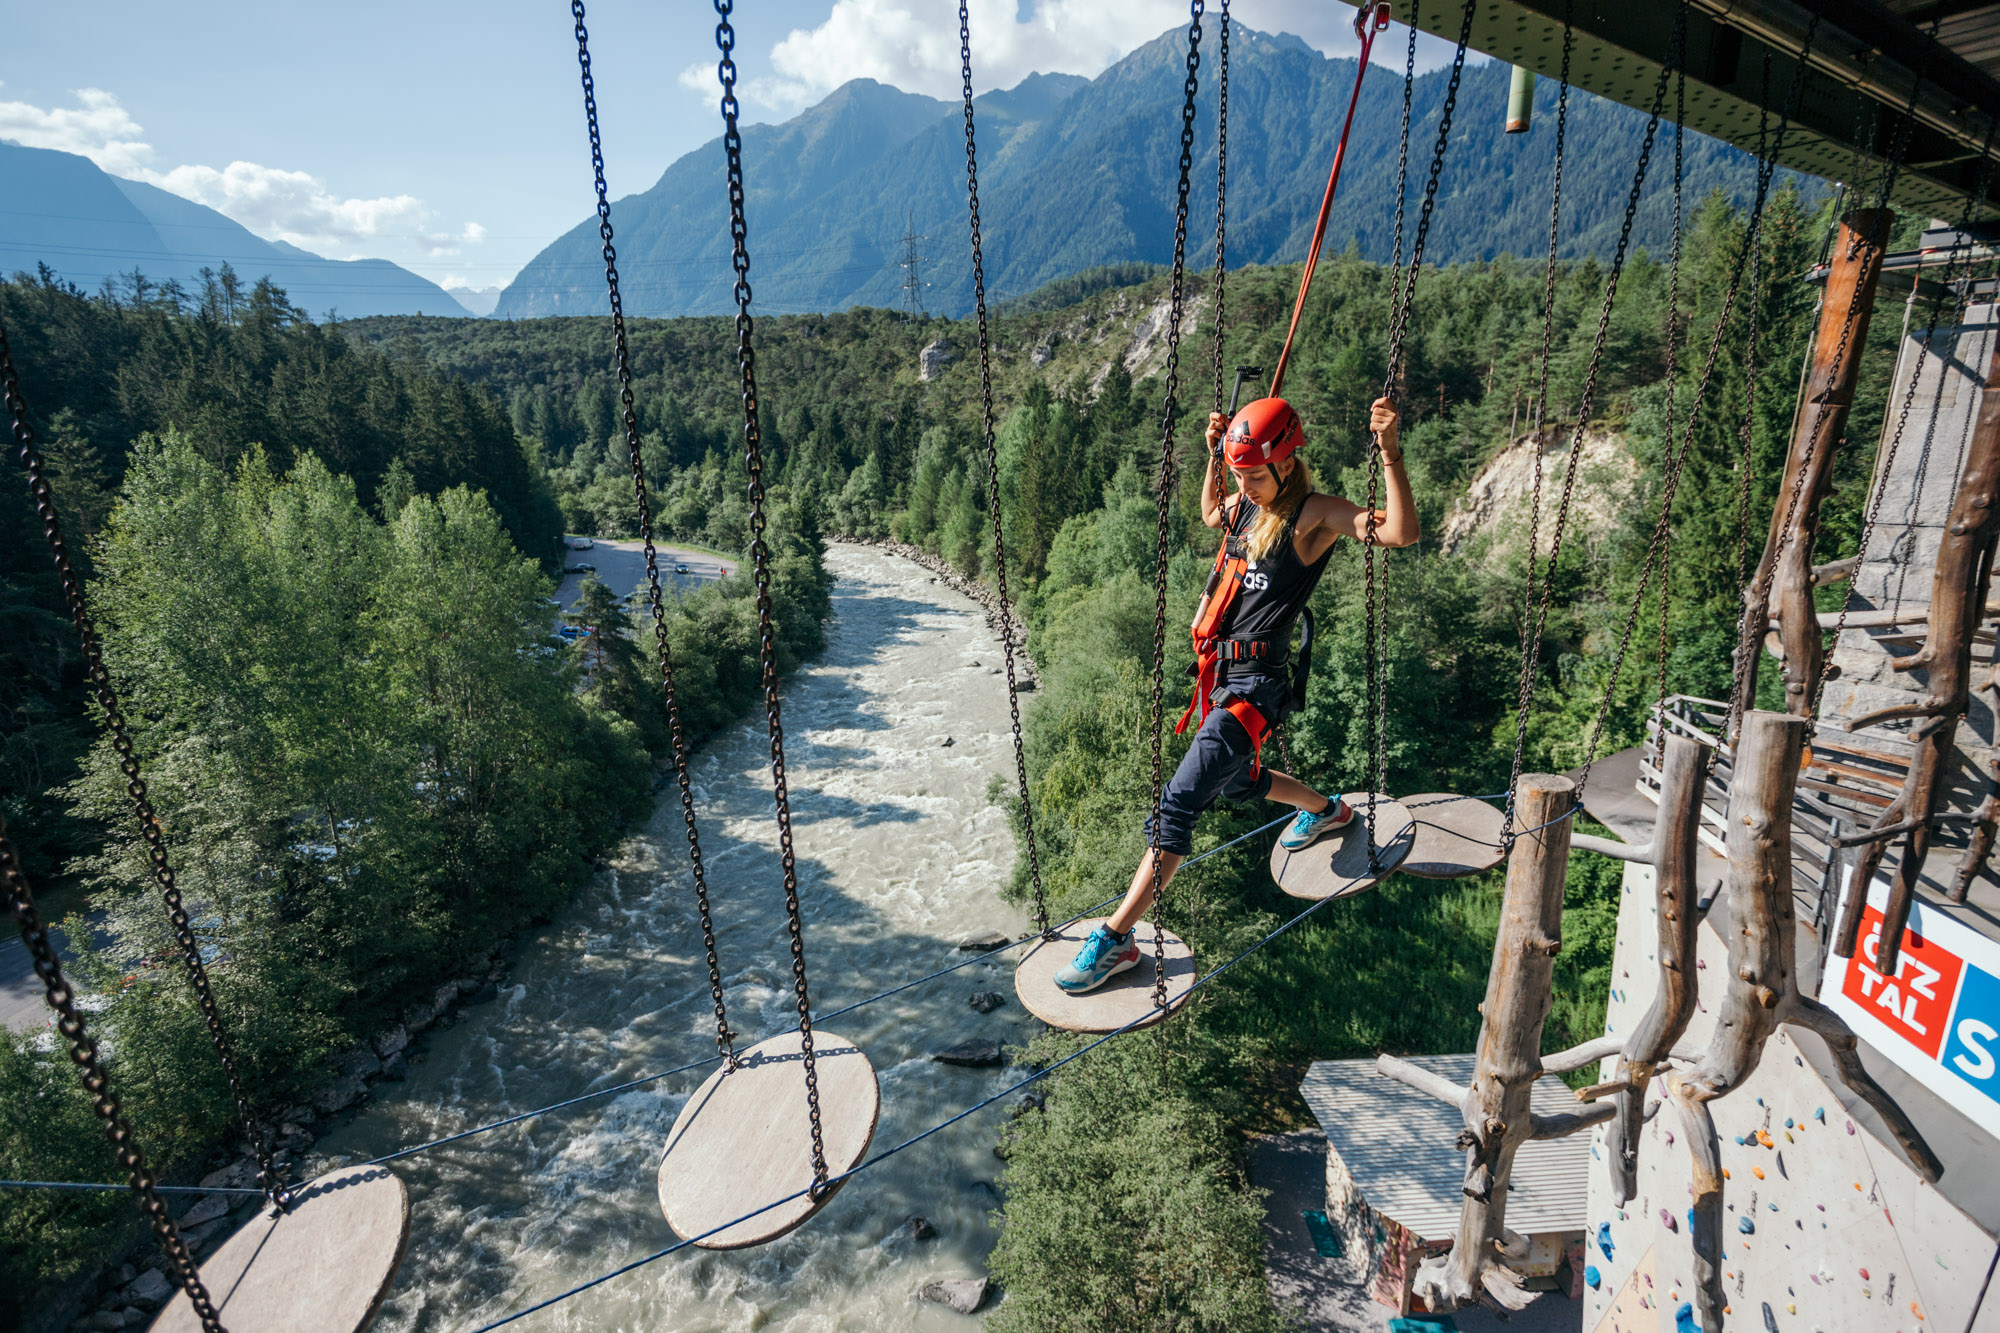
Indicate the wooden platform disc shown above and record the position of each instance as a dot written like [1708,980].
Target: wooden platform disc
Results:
[1123,999]
[1337,865]
[1456,836]
[322,1267]
[744,1140]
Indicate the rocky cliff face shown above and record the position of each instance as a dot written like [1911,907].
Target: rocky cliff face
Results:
[1497,503]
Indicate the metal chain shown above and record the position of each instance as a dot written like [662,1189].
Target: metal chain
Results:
[1165,493]
[1586,400]
[1221,193]
[1399,322]
[1673,377]
[1530,651]
[1657,549]
[993,476]
[1403,157]
[760,559]
[725,1040]
[83,1052]
[1753,252]
[128,763]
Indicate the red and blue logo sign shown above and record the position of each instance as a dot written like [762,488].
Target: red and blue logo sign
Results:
[1939,1016]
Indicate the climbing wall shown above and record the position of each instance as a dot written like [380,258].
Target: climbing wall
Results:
[1827,1229]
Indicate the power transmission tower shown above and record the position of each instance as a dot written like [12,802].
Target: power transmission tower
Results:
[913,283]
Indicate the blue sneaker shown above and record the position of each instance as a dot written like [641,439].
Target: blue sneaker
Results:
[1308,828]
[1102,957]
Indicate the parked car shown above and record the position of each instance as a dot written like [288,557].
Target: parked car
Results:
[579,569]
[680,569]
[581,543]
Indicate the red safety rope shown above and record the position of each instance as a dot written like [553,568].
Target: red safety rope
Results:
[1366,31]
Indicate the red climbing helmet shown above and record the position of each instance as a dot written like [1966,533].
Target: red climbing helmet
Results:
[1263,432]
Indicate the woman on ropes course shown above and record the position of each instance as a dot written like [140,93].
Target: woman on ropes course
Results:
[1279,533]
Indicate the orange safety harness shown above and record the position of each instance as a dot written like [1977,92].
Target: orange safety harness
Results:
[1211,650]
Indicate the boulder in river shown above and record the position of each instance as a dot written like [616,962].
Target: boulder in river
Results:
[917,1228]
[149,1291]
[979,1053]
[206,1209]
[982,940]
[986,1001]
[390,1041]
[963,1294]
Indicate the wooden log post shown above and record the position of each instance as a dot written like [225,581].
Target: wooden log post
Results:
[1785,573]
[1958,602]
[1985,819]
[1496,1107]
[1675,847]
[1762,985]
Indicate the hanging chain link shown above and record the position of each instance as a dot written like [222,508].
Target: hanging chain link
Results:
[1221,194]
[1165,494]
[1375,646]
[1531,650]
[1673,378]
[1752,251]
[760,558]
[1527,680]
[83,1052]
[725,1040]
[1403,158]
[128,763]
[993,478]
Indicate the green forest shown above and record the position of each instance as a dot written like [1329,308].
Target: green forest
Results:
[270,505]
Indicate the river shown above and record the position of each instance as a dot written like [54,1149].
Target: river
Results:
[901,854]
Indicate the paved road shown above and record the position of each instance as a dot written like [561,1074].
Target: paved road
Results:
[22,1002]
[622,566]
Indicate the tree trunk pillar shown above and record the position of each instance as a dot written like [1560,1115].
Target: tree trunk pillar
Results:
[1784,573]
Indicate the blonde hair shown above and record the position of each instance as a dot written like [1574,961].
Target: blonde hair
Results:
[1269,525]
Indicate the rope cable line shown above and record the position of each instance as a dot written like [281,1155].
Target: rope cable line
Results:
[993,471]
[655,602]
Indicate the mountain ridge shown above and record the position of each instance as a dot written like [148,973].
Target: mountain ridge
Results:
[91,227]
[1081,174]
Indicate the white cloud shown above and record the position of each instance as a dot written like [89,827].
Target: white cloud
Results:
[277,204]
[98,128]
[913,44]
[297,207]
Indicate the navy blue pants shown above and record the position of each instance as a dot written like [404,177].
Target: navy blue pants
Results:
[1217,765]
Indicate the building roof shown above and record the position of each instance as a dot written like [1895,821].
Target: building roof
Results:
[1396,1143]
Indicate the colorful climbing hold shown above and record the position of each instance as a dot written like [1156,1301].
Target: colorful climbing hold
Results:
[1850,1127]
[1684,1319]
[1757,1171]
[1773,1207]
[1764,1137]
[1591,1275]
[1604,1238]
[1916,1310]
[1670,1138]
[1819,1114]
[1725,1173]
[1864,1274]
[1667,1221]
[1789,1138]
[1770,1320]
[1788,1122]
[1746,1226]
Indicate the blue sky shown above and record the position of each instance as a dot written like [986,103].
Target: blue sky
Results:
[448,136]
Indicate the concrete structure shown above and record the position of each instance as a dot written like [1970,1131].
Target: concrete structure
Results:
[1393,1174]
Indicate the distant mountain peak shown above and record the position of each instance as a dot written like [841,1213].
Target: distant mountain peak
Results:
[91,228]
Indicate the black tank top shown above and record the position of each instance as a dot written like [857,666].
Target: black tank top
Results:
[1274,589]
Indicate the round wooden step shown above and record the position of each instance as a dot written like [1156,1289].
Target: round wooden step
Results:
[321,1267]
[744,1141]
[1337,865]
[1126,998]
[1456,836]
